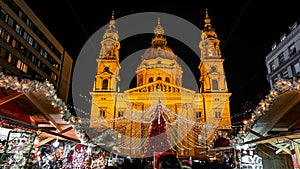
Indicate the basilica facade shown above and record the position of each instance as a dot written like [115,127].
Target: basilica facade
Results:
[193,119]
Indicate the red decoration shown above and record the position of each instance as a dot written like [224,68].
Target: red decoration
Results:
[157,138]
[11,110]
[78,148]
[221,142]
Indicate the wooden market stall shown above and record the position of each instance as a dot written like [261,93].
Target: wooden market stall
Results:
[31,115]
[275,126]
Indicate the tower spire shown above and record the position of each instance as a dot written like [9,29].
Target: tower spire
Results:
[110,44]
[207,19]
[209,44]
[113,15]
[112,21]
[159,34]
[159,30]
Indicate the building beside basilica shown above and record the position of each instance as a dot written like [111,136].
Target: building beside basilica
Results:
[192,118]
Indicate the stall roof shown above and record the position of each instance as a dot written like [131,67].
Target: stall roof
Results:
[281,122]
[36,109]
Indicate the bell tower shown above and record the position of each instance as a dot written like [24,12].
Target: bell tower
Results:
[211,67]
[213,85]
[107,75]
[105,90]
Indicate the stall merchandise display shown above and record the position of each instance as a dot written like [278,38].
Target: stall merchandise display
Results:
[17,150]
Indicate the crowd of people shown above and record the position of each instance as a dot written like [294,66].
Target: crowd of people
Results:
[169,161]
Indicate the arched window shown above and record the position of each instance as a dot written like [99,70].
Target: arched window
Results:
[215,85]
[167,80]
[150,80]
[158,78]
[198,114]
[140,81]
[104,84]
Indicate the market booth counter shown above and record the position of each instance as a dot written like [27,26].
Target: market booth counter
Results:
[31,116]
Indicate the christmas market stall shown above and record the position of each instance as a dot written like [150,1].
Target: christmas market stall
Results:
[273,132]
[37,129]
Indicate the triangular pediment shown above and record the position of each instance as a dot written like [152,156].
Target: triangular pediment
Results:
[160,86]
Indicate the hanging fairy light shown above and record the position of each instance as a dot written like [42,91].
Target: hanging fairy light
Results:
[55,143]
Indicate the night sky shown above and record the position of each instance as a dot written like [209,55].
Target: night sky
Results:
[246,30]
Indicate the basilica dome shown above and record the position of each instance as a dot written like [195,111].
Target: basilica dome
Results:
[159,50]
[159,46]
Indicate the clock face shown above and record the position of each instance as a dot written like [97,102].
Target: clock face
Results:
[213,69]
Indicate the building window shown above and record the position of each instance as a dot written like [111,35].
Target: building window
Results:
[198,114]
[282,37]
[10,21]
[167,79]
[14,43]
[53,76]
[30,40]
[285,74]
[56,65]
[22,66]
[18,29]
[140,82]
[33,59]
[39,63]
[3,52]
[22,49]
[158,78]
[28,23]
[218,115]
[3,15]
[292,50]
[292,27]
[42,66]
[21,15]
[102,113]
[36,46]
[6,37]
[25,35]
[150,80]
[272,65]
[281,59]
[215,85]
[120,114]
[297,68]
[27,54]
[9,58]
[104,84]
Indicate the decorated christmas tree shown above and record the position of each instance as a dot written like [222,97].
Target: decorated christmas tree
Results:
[157,140]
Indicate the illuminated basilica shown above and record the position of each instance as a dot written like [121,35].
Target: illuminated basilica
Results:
[192,119]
